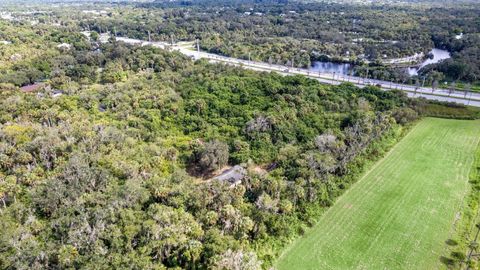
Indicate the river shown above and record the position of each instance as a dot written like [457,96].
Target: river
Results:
[346,68]
[438,56]
[331,67]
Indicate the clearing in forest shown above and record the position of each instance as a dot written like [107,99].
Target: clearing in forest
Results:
[399,215]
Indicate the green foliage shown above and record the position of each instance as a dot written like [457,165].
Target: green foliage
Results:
[113,73]
[98,177]
[298,33]
[209,157]
[443,110]
[422,179]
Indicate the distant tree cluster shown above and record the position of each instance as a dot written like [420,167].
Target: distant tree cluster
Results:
[299,33]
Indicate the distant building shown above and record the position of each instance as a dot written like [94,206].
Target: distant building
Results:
[95,12]
[104,37]
[87,34]
[15,57]
[65,46]
[57,93]
[6,16]
[233,176]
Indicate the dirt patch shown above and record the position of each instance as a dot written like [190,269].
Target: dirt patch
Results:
[258,170]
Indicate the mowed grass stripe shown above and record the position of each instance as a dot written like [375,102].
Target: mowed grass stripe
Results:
[401,212]
[364,197]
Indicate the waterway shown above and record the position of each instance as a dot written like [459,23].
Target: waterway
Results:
[346,68]
[331,67]
[438,56]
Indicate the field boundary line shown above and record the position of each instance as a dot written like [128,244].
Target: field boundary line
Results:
[364,175]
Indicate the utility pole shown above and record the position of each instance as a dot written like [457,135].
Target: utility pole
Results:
[417,86]
[249,56]
[365,79]
[423,83]
[149,36]
[293,59]
[171,36]
[466,89]
[198,45]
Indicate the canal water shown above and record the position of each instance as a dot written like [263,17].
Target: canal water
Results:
[331,67]
[346,68]
[438,56]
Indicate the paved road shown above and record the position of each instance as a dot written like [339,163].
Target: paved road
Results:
[467,98]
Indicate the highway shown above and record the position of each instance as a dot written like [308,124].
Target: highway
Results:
[466,98]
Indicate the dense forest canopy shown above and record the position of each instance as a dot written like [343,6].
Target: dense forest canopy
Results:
[110,161]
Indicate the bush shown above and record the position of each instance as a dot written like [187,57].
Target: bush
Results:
[404,115]
[210,156]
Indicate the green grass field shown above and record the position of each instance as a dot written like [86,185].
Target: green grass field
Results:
[399,215]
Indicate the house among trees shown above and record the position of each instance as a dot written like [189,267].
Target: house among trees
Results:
[64,46]
[233,176]
[57,93]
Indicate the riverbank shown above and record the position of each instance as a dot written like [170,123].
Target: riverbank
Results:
[412,64]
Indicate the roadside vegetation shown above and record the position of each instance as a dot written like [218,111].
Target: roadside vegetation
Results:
[297,33]
[465,236]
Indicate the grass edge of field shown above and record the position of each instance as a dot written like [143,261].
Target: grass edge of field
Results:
[369,166]
[463,231]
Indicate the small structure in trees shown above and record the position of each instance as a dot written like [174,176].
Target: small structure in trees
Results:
[57,93]
[233,176]
[64,46]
